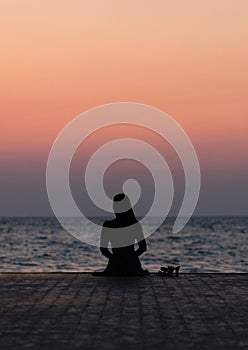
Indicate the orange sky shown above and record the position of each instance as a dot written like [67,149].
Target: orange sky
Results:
[188,58]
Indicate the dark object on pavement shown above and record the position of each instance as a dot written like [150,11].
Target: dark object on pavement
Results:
[169,271]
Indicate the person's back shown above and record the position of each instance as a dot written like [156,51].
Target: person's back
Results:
[122,233]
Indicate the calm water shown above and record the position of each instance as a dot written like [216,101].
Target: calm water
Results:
[206,244]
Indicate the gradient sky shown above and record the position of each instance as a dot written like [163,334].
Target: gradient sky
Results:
[60,58]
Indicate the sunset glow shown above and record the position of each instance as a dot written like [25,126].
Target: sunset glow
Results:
[188,58]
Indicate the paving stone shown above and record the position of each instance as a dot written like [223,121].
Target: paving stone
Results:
[81,311]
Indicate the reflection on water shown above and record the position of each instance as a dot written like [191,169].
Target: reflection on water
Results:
[206,244]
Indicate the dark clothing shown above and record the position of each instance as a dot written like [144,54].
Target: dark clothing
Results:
[123,260]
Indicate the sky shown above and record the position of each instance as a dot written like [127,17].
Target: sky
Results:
[60,58]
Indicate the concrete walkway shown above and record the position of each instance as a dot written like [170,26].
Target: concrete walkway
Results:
[79,311]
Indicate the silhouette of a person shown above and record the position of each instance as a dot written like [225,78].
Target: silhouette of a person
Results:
[123,259]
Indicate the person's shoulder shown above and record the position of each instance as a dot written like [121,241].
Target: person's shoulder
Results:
[108,223]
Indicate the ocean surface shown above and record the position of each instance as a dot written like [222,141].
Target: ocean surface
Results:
[206,244]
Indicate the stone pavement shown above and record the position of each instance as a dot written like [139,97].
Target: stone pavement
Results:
[79,311]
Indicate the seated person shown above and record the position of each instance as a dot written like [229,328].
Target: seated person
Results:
[121,233]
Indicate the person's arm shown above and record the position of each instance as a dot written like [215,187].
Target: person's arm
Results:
[141,240]
[104,243]
[106,252]
[142,247]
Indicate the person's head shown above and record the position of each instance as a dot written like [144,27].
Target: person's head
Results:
[123,209]
[121,204]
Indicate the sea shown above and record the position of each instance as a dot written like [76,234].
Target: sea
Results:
[204,245]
